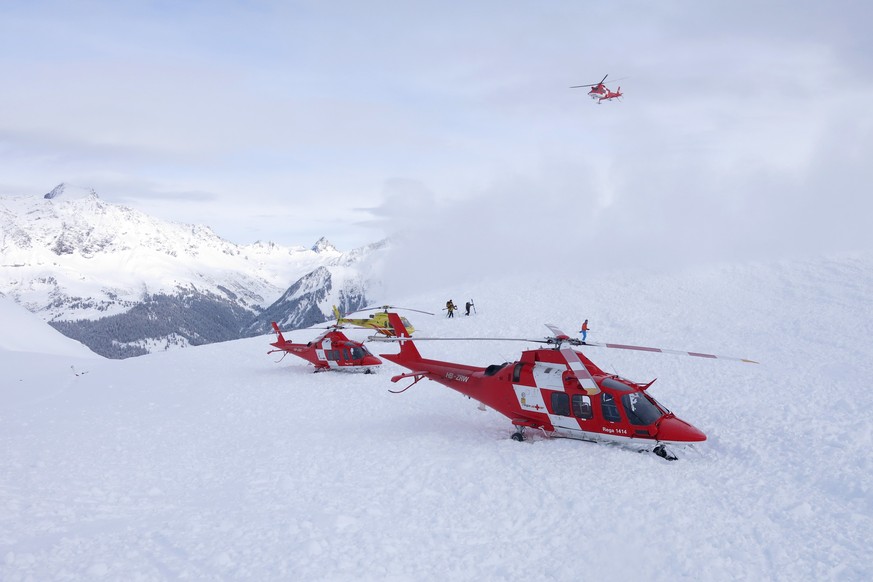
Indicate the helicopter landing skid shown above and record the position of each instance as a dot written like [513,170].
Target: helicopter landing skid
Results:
[664,453]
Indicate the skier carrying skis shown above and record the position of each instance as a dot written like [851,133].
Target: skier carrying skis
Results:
[450,307]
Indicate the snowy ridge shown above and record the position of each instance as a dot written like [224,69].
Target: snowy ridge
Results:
[216,462]
[305,303]
[113,277]
[71,255]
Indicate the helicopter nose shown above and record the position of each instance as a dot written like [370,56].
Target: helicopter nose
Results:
[677,430]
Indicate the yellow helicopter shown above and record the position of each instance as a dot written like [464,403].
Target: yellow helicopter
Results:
[377,321]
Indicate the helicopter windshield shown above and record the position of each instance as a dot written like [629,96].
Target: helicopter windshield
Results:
[359,352]
[640,410]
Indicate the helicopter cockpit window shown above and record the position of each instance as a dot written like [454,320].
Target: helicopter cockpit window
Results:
[609,408]
[582,406]
[359,352]
[639,409]
[560,403]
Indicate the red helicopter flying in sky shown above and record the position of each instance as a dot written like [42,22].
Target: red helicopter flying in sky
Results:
[600,92]
[332,350]
[560,391]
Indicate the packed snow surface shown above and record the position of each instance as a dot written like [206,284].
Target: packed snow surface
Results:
[217,462]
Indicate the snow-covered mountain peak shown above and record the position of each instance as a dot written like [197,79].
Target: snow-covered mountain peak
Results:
[73,257]
[65,191]
[323,245]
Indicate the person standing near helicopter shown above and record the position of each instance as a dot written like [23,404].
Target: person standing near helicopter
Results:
[584,330]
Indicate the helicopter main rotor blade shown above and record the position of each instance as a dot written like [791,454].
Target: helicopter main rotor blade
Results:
[377,338]
[666,351]
[386,307]
[592,84]
[600,83]
[560,338]
[582,374]
[415,310]
[559,334]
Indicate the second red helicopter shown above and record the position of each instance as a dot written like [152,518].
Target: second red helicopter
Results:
[332,350]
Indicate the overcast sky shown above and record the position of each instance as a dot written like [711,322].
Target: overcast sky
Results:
[746,129]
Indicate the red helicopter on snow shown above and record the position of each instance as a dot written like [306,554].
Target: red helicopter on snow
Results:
[600,92]
[560,391]
[332,350]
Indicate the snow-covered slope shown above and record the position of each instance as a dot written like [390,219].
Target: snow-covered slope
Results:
[23,331]
[218,463]
[36,363]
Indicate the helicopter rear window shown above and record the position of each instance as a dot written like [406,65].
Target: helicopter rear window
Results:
[614,384]
[639,409]
[493,369]
[609,408]
[560,403]
[332,354]
[581,406]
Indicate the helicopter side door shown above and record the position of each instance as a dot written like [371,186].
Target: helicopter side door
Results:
[571,413]
[627,411]
[568,411]
[328,354]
